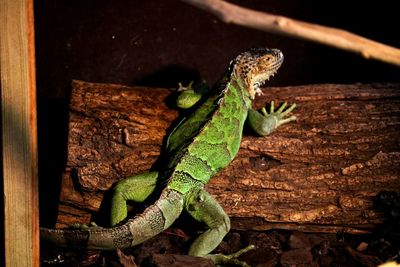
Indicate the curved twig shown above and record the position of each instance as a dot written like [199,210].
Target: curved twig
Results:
[334,37]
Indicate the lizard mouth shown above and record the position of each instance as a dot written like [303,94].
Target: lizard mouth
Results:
[261,79]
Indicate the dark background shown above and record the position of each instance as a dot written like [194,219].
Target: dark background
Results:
[159,43]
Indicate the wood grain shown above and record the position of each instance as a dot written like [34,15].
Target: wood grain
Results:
[318,175]
[19,134]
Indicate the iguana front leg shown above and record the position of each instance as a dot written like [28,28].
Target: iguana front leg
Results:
[201,206]
[264,123]
[191,94]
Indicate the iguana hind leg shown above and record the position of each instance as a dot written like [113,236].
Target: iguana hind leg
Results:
[202,206]
[135,188]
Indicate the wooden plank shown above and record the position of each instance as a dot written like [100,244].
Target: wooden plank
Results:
[319,174]
[19,133]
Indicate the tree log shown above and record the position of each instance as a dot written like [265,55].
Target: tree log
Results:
[318,174]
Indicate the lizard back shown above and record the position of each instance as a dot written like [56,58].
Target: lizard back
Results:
[203,152]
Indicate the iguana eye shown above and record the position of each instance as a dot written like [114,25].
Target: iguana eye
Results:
[268,58]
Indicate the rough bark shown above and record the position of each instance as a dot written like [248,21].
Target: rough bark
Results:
[317,174]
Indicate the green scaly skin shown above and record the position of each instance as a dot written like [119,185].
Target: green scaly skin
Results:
[200,146]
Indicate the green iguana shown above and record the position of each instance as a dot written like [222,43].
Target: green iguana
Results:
[200,146]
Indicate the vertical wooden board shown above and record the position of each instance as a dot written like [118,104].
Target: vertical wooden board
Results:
[19,133]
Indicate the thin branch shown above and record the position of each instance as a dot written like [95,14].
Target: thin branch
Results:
[334,37]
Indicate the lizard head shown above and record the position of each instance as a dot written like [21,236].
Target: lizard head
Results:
[255,66]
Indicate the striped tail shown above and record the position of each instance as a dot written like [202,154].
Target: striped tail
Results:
[104,239]
[151,222]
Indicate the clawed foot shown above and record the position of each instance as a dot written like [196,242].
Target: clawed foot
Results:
[280,113]
[182,88]
[264,123]
[190,94]
[231,259]
[188,97]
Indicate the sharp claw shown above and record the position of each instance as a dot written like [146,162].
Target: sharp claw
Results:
[271,109]
[242,251]
[282,107]
[288,110]
[264,112]
[182,88]
[291,118]
[231,259]
[293,106]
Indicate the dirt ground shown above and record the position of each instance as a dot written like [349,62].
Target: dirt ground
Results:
[273,248]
